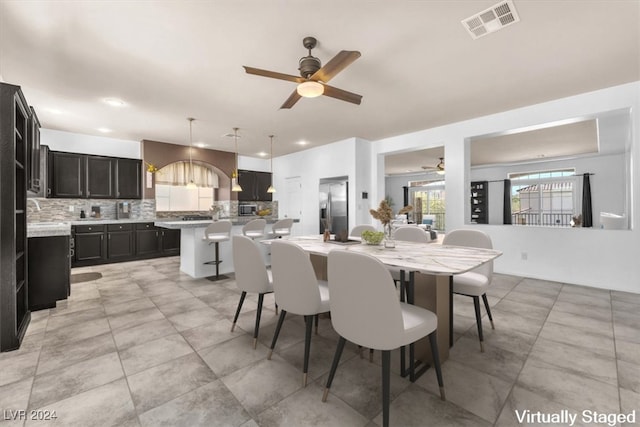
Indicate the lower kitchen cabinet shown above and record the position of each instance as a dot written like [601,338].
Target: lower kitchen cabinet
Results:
[101,244]
[89,244]
[120,242]
[49,271]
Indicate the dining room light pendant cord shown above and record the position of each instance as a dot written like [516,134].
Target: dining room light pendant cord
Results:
[271,188]
[235,186]
[191,184]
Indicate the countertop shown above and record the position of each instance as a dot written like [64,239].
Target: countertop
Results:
[63,228]
[178,224]
[48,229]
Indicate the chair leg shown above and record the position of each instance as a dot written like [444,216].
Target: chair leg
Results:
[276,333]
[217,260]
[476,304]
[486,305]
[370,355]
[317,317]
[276,309]
[334,367]
[433,340]
[235,318]
[307,348]
[258,314]
[386,386]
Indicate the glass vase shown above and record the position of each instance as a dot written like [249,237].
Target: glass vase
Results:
[389,242]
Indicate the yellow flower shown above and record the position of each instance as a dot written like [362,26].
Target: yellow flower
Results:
[151,167]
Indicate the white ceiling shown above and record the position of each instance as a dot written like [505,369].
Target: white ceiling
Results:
[169,60]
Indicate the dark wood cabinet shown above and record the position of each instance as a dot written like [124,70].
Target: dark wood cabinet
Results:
[120,241]
[128,178]
[147,239]
[480,202]
[117,242]
[33,153]
[14,284]
[254,186]
[89,244]
[49,271]
[73,175]
[67,175]
[100,177]
[170,241]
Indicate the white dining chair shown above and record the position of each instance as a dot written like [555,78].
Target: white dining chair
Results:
[358,229]
[297,291]
[281,228]
[473,283]
[411,233]
[216,232]
[365,310]
[252,276]
[254,229]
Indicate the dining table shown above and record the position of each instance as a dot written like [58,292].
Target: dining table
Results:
[429,269]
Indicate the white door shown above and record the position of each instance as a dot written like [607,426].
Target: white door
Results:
[291,205]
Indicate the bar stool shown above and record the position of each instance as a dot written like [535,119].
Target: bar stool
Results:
[254,229]
[281,228]
[218,231]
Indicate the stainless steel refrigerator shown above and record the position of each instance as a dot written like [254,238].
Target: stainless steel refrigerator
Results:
[334,204]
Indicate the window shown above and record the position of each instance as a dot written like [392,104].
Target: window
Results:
[429,196]
[543,198]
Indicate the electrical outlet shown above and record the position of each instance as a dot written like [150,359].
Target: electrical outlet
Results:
[71,208]
[523,256]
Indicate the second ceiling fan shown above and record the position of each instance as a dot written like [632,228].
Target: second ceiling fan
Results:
[314,76]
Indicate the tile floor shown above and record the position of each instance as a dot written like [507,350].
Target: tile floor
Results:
[147,345]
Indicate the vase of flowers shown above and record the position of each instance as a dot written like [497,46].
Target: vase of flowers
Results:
[384,214]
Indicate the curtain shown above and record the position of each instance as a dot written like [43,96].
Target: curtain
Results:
[587,214]
[506,208]
[179,173]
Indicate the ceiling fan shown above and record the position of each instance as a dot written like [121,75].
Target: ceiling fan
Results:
[314,76]
[439,168]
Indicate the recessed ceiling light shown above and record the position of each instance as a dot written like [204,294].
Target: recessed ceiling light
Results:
[201,144]
[114,102]
[302,142]
[54,111]
[262,154]
[104,130]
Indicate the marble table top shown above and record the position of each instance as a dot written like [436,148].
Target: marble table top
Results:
[430,258]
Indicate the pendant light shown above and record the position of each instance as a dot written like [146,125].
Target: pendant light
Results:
[235,186]
[271,188]
[191,185]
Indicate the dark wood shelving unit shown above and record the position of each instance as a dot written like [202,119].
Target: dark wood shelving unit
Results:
[480,202]
[15,116]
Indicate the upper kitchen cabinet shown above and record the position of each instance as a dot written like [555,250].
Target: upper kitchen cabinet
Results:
[67,175]
[33,153]
[101,177]
[73,175]
[128,175]
[254,186]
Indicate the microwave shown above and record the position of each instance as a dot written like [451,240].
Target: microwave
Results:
[246,210]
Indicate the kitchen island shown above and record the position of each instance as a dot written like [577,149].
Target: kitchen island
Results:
[196,252]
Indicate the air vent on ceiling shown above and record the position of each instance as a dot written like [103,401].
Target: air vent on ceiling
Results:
[491,20]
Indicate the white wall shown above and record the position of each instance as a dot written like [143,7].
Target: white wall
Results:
[599,258]
[87,144]
[327,161]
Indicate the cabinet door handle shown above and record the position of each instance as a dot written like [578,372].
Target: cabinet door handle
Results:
[109,236]
[101,237]
[156,234]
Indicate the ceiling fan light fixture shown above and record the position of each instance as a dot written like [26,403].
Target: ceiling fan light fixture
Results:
[440,167]
[310,89]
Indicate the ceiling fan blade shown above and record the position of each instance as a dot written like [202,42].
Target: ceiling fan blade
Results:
[342,95]
[291,101]
[342,60]
[273,74]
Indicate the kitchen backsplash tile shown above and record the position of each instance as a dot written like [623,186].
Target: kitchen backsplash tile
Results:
[53,210]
